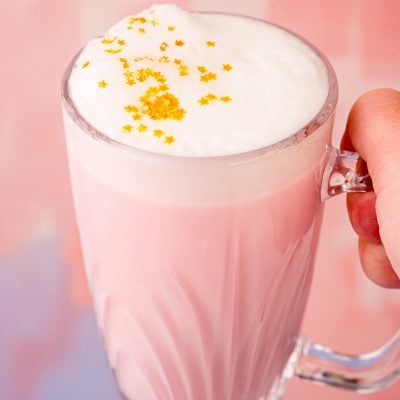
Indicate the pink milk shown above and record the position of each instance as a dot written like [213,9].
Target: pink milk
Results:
[199,268]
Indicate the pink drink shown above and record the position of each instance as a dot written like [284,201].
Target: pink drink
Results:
[199,297]
[198,204]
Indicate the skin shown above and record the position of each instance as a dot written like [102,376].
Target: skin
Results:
[373,130]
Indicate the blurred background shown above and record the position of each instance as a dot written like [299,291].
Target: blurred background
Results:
[49,348]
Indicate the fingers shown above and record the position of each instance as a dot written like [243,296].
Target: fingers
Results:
[373,129]
[377,266]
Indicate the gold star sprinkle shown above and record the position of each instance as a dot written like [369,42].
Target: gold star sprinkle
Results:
[140,20]
[130,108]
[227,67]
[127,128]
[113,51]
[225,99]
[142,128]
[177,61]
[142,30]
[163,59]
[169,140]
[158,133]
[102,84]
[85,64]
[203,101]
[210,43]
[202,69]
[171,28]
[154,22]
[179,42]
[137,117]
[108,40]
[211,96]
[183,70]
[121,42]
[125,63]
[209,76]
[163,46]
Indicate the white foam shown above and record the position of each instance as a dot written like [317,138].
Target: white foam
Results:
[276,85]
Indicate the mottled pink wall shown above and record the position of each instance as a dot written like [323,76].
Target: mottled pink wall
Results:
[361,37]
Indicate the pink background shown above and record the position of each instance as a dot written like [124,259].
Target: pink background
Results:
[48,343]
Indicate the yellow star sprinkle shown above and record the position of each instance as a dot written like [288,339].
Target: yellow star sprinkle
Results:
[183,70]
[142,128]
[130,108]
[108,40]
[227,67]
[169,140]
[113,51]
[179,42]
[85,64]
[211,96]
[210,43]
[154,22]
[171,28]
[158,133]
[141,30]
[203,101]
[225,99]
[177,61]
[202,69]
[209,76]
[127,128]
[102,84]
[137,117]
[125,63]
[121,42]
[163,59]
[163,46]
[141,20]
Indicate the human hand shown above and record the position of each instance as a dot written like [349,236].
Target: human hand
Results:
[373,130]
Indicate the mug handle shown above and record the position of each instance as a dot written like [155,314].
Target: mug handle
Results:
[344,171]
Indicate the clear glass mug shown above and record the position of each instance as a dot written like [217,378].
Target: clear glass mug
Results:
[200,268]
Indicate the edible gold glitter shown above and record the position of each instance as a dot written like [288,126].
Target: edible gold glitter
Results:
[108,40]
[225,99]
[85,64]
[142,128]
[127,128]
[102,84]
[121,42]
[113,51]
[227,67]
[171,28]
[209,76]
[163,46]
[210,43]
[158,133]
[169,140]
[179,42]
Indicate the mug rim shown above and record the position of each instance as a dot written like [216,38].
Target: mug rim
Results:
[324,113]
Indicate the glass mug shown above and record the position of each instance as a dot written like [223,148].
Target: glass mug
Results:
[200,268]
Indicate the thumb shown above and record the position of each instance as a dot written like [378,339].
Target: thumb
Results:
[373,129]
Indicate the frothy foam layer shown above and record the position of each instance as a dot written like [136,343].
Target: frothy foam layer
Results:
[190,84]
